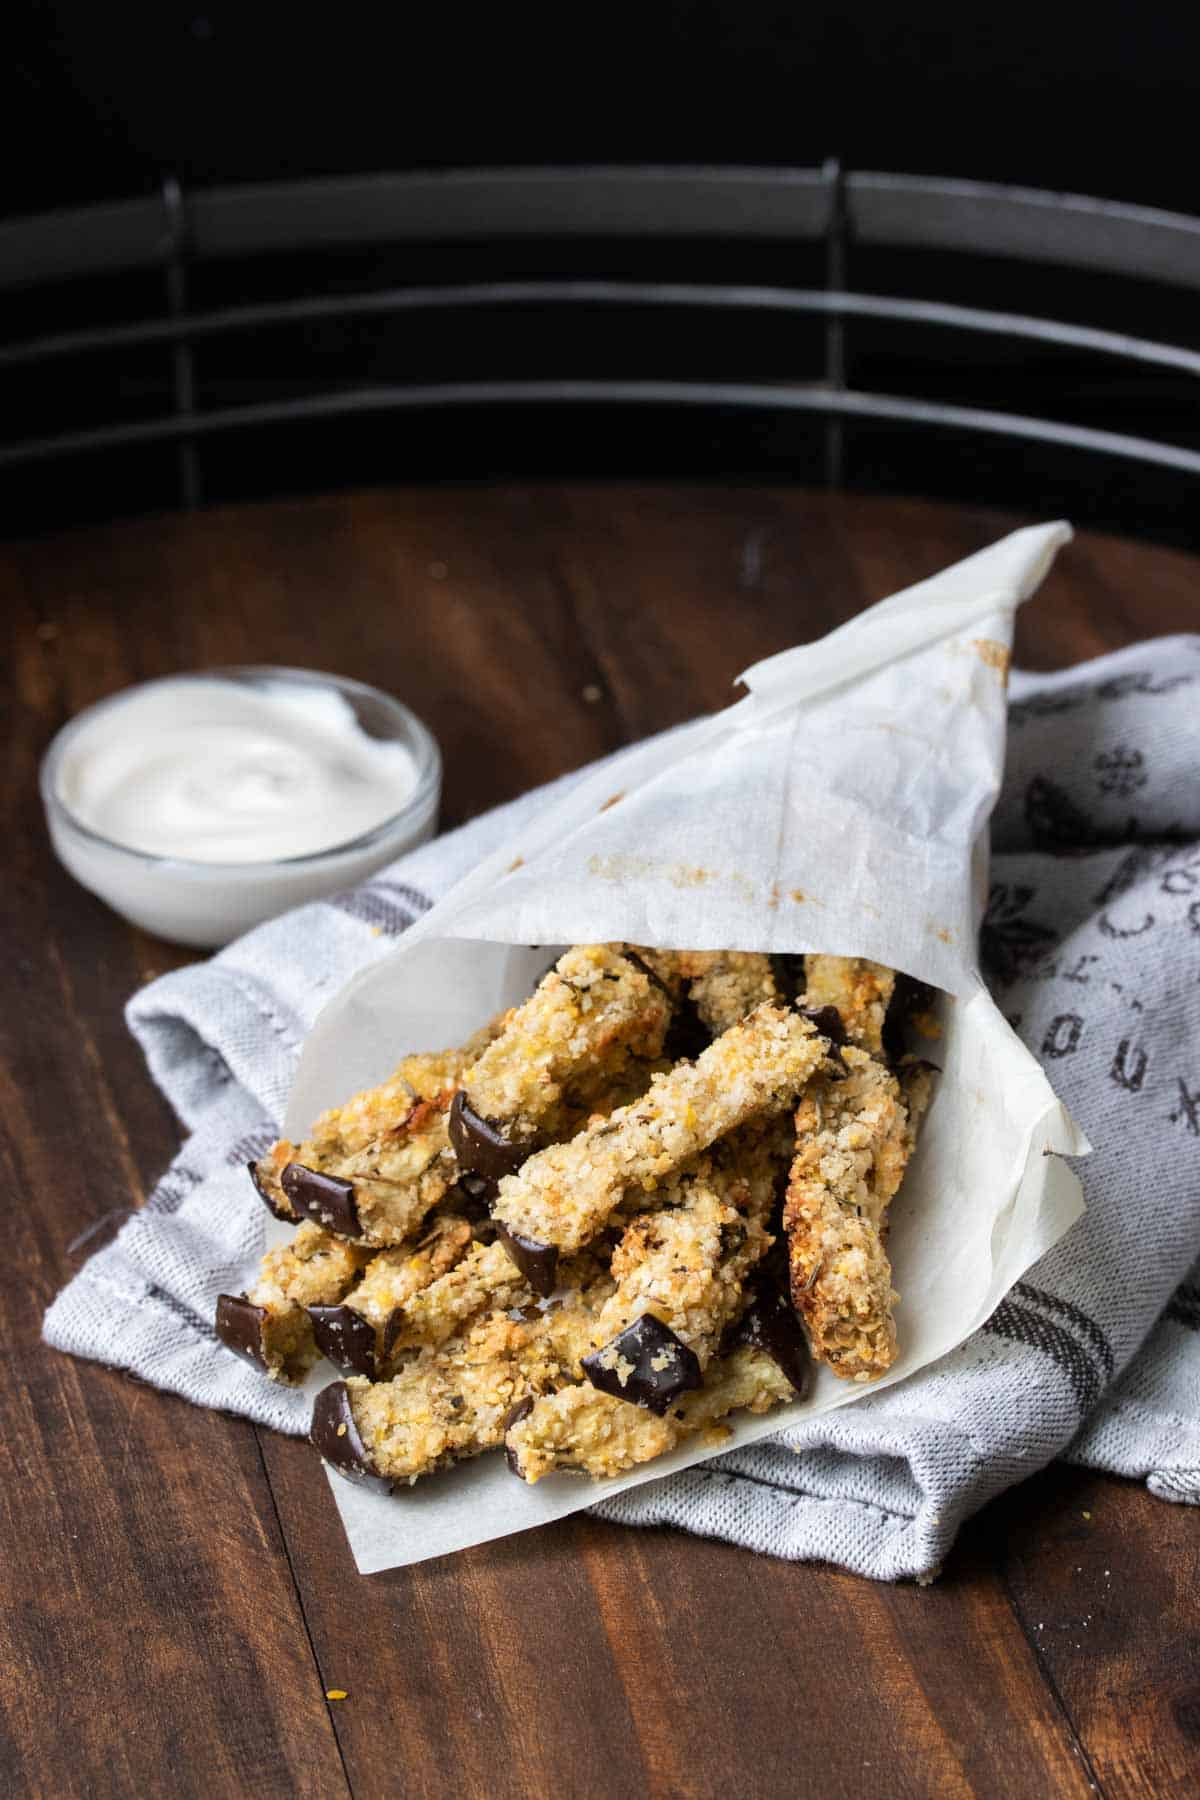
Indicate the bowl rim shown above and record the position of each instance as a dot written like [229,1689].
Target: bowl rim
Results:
[422,742]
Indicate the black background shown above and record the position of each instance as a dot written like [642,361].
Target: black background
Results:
[1098,98]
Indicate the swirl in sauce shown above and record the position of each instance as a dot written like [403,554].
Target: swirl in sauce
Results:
[217,771]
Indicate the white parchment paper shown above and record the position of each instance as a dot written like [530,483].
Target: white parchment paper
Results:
[839,807]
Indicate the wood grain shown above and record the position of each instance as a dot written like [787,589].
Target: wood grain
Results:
[149,1629]
[1104,1579]
[179,1593]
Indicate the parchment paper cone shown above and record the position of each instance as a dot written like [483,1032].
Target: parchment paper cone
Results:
[839,807]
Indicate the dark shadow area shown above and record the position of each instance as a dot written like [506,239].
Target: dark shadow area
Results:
[227,95]
[100,104]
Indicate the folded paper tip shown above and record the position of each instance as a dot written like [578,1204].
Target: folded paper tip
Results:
[1038,545]
[991,583]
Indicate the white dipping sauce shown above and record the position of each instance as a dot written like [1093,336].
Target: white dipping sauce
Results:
[198,806]
[217,772]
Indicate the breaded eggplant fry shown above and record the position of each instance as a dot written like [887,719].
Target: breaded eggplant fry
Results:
[582,1430]
[563,1195]
[269,1325]
[359,1335]
[727,984]
[859,989]
[381,1161]
[485,1278]
[629,1129]
[686,1261]
[596,1013]
[453,1401]
[853,1140]
[374,1167]
[723,985]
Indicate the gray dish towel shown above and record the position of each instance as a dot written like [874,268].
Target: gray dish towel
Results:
[1092,945]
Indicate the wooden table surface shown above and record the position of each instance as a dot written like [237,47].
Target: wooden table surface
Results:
[179,1593]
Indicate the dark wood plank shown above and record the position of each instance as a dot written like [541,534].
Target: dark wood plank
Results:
[779,1668]
[678,595]
[654,1662]
[150,1633]
[493,1667]
[185,1595]
[1105,1579]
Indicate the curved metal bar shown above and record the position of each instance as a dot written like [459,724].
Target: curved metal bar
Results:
[1033,224]
[815,398]
[604,201]
[450,204]
[698,295]
[600,200]
[88,240]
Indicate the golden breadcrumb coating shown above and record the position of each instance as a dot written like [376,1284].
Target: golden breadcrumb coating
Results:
[486,1277]
[393,1277]
[314,1269]
[452,1401]
[859,989]
[592,1023]
[646,1202]
[565,1193]
[686,1262]
[389,1142]
[853,1140]
[588,1432]
[727,984]
[588,1019]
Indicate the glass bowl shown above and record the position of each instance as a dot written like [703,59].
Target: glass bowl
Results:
[206,904]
